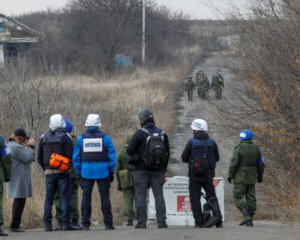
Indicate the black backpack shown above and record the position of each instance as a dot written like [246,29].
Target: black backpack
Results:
[199,165]
[154,152]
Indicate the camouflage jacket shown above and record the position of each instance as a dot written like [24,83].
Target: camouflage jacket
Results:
[122,164]
[190,85]
[246,166]
[218,81]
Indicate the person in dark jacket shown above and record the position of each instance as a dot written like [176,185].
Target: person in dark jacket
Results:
[22,154]
[56,140]
[145,176]
[94,159]
[202,146]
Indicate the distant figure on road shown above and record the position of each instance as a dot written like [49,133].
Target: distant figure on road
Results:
[94,159]
[22,154]
[205,87]
[218,85]
[124,173]
[199,80]
[201,153]
[246,168]
[149,148]
[189,88]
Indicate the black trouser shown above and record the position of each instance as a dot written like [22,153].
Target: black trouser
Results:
[17,211]
[86,207]
[195,196]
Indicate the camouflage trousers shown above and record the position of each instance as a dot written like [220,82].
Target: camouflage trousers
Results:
[244,197]
[190,94]
[74,203]
[199,90]
[204,93]
[128,195]
[218,92]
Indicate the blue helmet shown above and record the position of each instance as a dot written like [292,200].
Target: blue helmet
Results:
[246,134]
[69,126]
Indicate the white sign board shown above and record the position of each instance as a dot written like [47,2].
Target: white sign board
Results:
[176,193]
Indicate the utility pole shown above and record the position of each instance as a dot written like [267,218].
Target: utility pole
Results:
[144,33]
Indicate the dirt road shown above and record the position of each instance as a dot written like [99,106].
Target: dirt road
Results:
[230,232]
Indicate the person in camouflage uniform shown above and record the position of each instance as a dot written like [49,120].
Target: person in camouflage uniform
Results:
[218,85]
[5,165]
[126,187]
[74,192]
[246,168]
[205,87]
[199,79]
[189,88]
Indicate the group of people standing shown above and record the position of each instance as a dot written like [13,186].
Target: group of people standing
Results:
[203,85]
[69,162]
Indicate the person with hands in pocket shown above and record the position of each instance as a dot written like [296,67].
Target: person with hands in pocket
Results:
[94,159]
[246,168]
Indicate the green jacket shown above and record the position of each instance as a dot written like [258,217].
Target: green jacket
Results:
[122,164]
[190,85]
[246,166]
[218,81]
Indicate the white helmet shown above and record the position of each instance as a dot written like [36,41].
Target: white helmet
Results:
[56,121]
[199,125]
[93,120]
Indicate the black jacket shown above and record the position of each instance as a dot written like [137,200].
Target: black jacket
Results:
[137,143]
[186,156]
[59,141]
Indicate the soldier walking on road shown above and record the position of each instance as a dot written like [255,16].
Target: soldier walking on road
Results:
[74,211]
[124,173]
[205,87]
[246,168]
[199,79]
[218,85]
[189,88]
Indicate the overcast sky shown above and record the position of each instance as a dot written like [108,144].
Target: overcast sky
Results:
[201,9]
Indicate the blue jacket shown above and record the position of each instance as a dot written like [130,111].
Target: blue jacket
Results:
[94,170]
[3,149]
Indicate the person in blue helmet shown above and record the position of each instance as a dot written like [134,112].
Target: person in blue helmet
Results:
[246,168]
[94,159]
[74,209]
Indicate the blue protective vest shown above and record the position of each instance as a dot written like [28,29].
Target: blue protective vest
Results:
[93,149]
[198,150]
